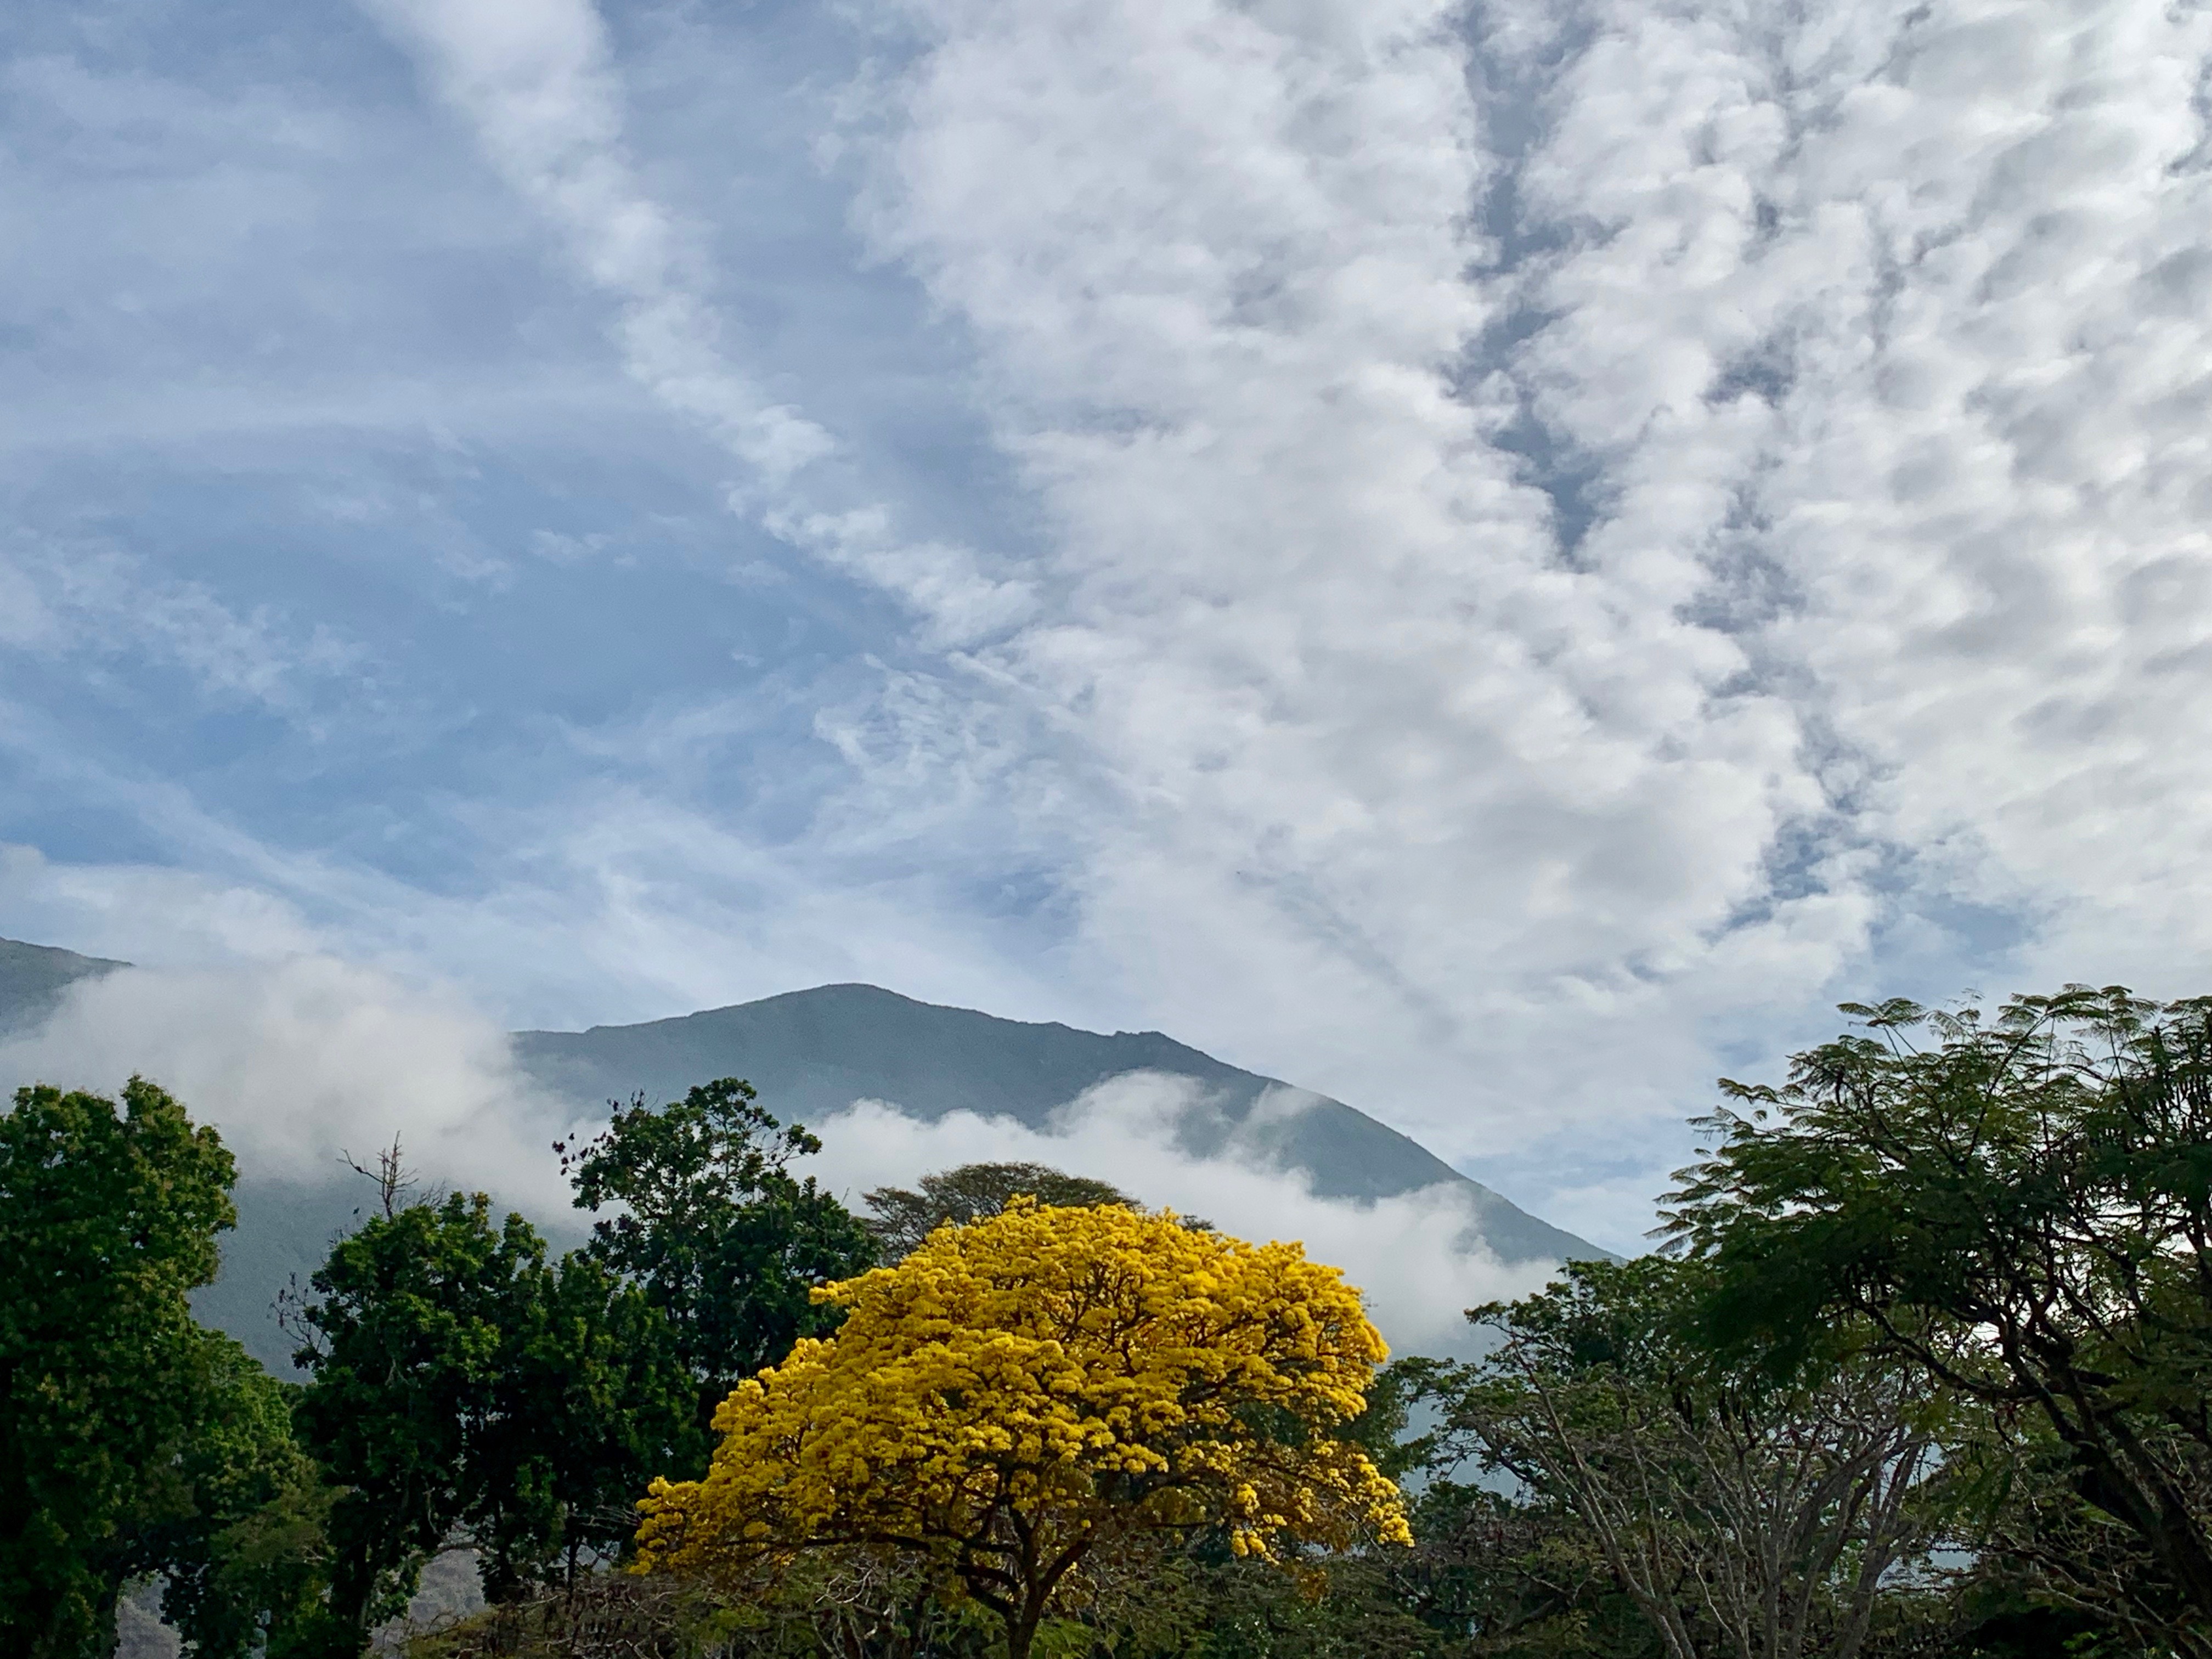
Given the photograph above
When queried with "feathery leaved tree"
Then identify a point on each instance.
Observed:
(1745, 1513)
(2020, 1206)
(901, 1217)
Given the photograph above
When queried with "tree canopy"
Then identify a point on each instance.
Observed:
(901, 1217)
(131, 1440)
(1742, 1512)
(1922, 1372)
(710, 1226)
(240, 1543)
(1019, 1395)
(466, 1387)
(2020, 1205)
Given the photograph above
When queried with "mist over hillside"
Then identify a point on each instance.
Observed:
(34, 976)
(814, 1052)
(302, 1065)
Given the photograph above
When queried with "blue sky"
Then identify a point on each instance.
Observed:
(1494, 560)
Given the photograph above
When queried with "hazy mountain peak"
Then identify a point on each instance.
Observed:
(813, 1052)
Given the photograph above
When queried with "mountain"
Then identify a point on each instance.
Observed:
(34, 976)
(812, 1053)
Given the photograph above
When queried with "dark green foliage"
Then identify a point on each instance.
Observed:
(464, 1385)
(1460, 1594)
(606, 1615)
(1996, 1619)
(592, 1406)
(825, 1610)
(243, 1554)
(408, 1329)
(717, 1234)
(1500, 1574)
(132, 1441)
(902, 1220)
(2022, 1206)
(106, 1220)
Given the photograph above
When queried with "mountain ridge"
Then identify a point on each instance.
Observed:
(815, 1051)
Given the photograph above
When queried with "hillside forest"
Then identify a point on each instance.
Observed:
(1921, 1364)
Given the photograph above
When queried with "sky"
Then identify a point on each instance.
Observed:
(1493, 561)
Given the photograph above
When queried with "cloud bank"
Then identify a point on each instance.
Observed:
(1418, 1258)
(302, 1062)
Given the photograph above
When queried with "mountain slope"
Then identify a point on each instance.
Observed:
(34, 976)
(811, 1053)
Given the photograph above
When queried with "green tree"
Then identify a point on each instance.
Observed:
(902, 1219)
(465, 1389)
(1513, 1573)
(588, 1406)
(724, 1242)
(244, 1552)
(1761, 1514)
(107, 1221)
(2022, 1206)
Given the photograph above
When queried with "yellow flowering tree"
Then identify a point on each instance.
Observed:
(1019, 1395)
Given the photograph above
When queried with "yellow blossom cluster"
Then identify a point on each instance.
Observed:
(1021, 1390)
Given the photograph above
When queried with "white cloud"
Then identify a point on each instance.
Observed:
(1861, 352)
(143, 913)
(1991, 476)
(536, 83)
(1911, 287)
(90, 601)
(1416, 1257)
(300, 1060)
(1399, 798)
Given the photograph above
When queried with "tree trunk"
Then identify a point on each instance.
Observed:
(1022, 1627)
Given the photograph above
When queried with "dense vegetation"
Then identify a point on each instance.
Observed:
(1923, 1369)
